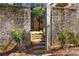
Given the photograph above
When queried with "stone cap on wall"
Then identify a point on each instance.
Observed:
(65, 5)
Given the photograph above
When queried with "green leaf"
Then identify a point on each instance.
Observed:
(38, 11)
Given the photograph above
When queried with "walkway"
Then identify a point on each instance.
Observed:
(38, 42)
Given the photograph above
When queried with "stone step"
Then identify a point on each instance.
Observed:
(38, 47)
(40, 43)
(36, 36)
(43, 41)
(38, 51)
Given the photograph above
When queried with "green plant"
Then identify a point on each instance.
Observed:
(18, 35)
(38, 14)
(38, 11)
(62, 36)
(1, 46)
(75, 40)
(0, 33)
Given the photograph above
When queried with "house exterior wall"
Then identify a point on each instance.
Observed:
(11, 17)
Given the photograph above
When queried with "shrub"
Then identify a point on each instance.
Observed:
(75, 40)
(62, 36)
(18, 35)
(1, 47)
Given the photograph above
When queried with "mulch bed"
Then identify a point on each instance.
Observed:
(69, 51)
(20, 54)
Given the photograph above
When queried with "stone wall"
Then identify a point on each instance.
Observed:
(14, 16)
(68, 18)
